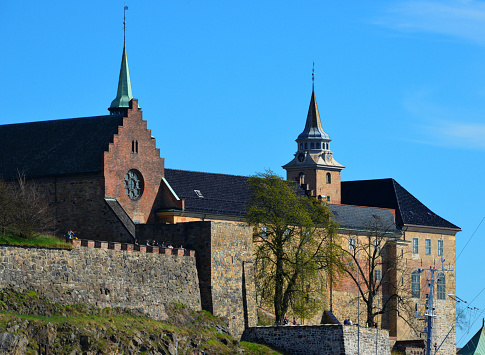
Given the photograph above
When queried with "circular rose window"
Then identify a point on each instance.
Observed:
(133, 184)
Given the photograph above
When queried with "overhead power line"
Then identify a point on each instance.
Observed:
(470, 238)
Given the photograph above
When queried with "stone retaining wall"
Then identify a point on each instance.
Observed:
(104, 277)
(322, 339)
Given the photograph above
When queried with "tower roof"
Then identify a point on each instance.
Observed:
(313, 128)
(476, 345)
(124, 94)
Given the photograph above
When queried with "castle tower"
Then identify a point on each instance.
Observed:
(313, 165)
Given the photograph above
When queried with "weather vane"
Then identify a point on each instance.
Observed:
(124, 23)
(313, 76)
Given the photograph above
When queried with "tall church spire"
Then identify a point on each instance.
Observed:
(124, 94)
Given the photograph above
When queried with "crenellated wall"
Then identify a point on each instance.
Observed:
(103, 277)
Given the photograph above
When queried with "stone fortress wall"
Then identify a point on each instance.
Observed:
(322, 339)
(103, 277)
(224, 254)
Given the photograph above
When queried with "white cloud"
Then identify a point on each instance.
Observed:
(444, 126)
(457, 134)
(464, 19)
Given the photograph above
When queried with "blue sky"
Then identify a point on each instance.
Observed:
(225, 87)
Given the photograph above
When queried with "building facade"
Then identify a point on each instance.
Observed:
(104, 178)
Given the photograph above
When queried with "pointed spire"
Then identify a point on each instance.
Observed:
(313, 126)
(124, 94)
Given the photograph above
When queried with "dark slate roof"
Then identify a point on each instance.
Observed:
(364, 218)
(58, 147)
(228, 195)
(222, 194)
(387, 193)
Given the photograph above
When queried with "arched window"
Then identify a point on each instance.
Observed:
(306, 145)
(329, 178)
(441, 286)
(415, 284)
(302, 178)
(317, 145)
(312, 145)
(301, 145)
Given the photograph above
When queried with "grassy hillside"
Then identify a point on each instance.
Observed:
(9, 236)
(33, 321)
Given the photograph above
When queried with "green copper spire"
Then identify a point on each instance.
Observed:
(124, 95)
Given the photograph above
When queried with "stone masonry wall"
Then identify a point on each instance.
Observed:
(77, 202)
(224, 255)
(322, 339)
(103, 277)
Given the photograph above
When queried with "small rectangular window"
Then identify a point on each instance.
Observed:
(351, 243)
(328, 198)
(377, 275)
(415, 246)
(427, 246)
(377, 244)
(440, 247)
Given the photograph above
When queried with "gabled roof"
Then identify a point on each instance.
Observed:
(387, 193)
(58, 147)
(228, 195)
(476, 345)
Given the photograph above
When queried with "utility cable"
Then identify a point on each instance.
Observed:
(470, 238)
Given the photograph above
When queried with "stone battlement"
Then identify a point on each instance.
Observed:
(131, 247)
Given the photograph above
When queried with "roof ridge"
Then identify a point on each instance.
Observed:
(376, 208)
(58, 120)
(202, 172)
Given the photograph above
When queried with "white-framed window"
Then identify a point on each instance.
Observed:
(441, 286)
(377, 245)
(440, 247)
(264, 231)
(351, 243)
(415, 284)
(427, 246)
(377, 274)
(415, 245)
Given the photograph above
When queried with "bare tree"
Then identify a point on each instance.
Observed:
(375, 264)
(23, 208)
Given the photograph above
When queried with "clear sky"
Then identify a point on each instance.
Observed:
(225, 87)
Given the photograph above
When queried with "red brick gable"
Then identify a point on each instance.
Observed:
(133, 148)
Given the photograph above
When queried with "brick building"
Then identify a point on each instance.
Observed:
(104, 178)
